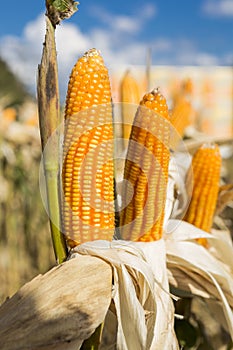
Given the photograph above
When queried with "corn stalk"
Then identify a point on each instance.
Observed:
(49, 118)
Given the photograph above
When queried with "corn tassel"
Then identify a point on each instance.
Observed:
(205, 170)
(129, 94)
(146, 171)
(88, 210)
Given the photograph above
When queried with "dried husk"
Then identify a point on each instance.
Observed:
(143, 304)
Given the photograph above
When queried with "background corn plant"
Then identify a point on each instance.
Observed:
(25, 246)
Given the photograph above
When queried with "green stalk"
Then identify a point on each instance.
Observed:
(94, 341)
(49, 118)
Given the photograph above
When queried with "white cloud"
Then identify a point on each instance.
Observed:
(23, 54)
(119, 23)
(218, 8)
(197, 58)
(185, 52)
(229, 59)
(125, 23)
(181, 52)
(148, 11)
(118, 45)
(162, 45)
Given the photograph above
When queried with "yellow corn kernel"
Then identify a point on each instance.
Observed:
(205, 170)
(87, 175)
(146, 171)
(129, 94)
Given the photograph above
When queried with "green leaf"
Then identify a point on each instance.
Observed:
(58, 10)
(93, 342)
(49, 118)
(186, 333)
(64, 5)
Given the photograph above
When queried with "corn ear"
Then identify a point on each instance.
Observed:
(88, 191)
(146, 171)
(181, 118)
(205, 171)
(129, 94)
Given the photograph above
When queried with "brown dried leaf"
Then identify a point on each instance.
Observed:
(225, 196)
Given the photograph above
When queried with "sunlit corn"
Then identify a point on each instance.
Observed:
(181, 118)
(205, 174)
(88, 191)
(129, 94)
(187, 87)
(146, 171)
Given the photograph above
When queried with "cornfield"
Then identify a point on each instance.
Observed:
(161, 219)
(25, 245)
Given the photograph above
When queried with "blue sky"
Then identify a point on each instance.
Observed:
(181, 32)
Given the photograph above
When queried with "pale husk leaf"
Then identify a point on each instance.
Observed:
(144, 307)
(205, 274)
(177, 198)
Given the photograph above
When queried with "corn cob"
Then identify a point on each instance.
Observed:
(129, 94)
(180, 118)
(187, 87)
(88, 192)
(205, 170)
(146, 171)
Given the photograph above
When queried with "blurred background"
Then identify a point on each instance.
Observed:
(162, 43)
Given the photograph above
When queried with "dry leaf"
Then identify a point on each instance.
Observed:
(144, 308)
(225, 196)
(207, 270)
